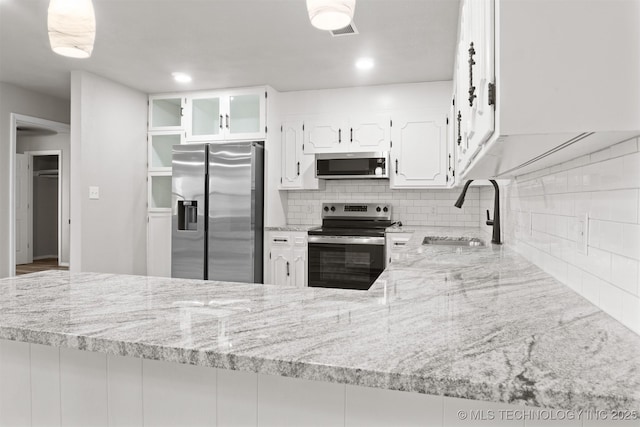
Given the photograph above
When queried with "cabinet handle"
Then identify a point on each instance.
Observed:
(399, 243)
(298, 168)
(472, 88)
(220, 121)
(280, 240)
(181, 111)
(449, 162)
(459, 118)
(339, 136)
(287, 268)
(351, 135)
(396, 166)
(228, 120)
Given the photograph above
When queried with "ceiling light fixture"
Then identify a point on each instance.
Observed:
(330, 14)
(364, 64)
(72, 27)
(181, 77)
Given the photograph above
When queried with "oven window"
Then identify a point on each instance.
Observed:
(344, 266)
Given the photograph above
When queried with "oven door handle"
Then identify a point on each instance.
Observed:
(347, 240)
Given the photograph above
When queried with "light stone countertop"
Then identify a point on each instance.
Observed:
(478, 323)
(291, 228)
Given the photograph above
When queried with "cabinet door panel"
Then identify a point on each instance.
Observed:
(291, 155)
(165, 113)
(206, 118)
(159, 244)
(245, 114)
(369, 133)
(419, 151)
(280, 267)
(481, 34)
(325, 135)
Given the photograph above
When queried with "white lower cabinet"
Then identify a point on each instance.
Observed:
(419, 150)
(287, 258)
(159, 244)
(395, 242)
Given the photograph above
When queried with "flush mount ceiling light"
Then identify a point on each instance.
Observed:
(181, 77)
(72, 27)
(364, 64)
(330, 14)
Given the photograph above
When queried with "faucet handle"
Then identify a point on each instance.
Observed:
(489, 220)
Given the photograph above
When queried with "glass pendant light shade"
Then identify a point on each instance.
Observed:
(72, 27)
(330, 14)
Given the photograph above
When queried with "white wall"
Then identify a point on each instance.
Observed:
(17, 100)
(59, 141)
(540, 217)
(108, 150)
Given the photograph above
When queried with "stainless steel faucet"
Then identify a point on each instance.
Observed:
(495, 223)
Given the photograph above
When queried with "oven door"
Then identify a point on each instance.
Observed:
(345, 262)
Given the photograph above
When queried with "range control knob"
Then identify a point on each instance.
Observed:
(333, 208)
(385, 209)
(326, 208)
(378, 209)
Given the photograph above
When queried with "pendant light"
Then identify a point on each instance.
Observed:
(72, 27)
(330, 14)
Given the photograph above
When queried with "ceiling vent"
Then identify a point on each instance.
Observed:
(346, 31)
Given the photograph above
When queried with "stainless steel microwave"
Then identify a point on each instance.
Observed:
(352, 165)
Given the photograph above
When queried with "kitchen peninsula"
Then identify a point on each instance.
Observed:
(442, 330)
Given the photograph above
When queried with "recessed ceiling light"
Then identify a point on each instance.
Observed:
(364, 64)
(181, 77)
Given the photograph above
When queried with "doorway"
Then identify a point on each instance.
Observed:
(38, 210)
(39, 202)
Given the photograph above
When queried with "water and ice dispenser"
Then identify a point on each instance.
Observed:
(187, 215)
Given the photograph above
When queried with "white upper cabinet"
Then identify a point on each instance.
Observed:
(166, 112)
(325, 134)
(297, 171)
(369, 132)
(206, 121)
(529, 98)
(356, 133)
(160, 146)
(419, 150)
(228, 115)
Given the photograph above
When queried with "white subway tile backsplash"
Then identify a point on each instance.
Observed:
(550, 203)
(412, 207)
(624, 273)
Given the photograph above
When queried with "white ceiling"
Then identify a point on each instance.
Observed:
(233, 43)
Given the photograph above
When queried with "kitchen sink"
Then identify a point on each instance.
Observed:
(453, 241)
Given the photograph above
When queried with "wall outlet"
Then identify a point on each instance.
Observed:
(582, 233)
(94, 193)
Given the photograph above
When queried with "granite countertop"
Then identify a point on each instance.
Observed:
(291, 228)
(479, 323)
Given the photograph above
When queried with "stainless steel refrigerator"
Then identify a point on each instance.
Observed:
(217, 205)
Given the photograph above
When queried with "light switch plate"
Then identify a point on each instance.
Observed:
(582, 233)
(94, 193)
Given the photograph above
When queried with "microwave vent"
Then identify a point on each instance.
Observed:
(346, 31)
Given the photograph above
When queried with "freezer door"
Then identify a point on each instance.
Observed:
(188, 242)
(235, 212)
